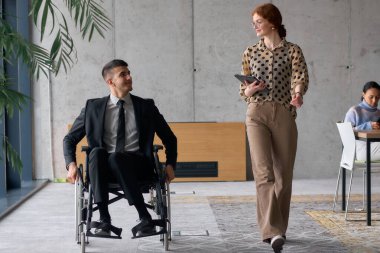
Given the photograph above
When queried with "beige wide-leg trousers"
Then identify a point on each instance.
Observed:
(272, 135)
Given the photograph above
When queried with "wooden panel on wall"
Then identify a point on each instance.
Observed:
(204, 142)
(81, 156)
(224, 143)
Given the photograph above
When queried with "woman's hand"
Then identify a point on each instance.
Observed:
(297, 100)
(252, 88)
(375, 125)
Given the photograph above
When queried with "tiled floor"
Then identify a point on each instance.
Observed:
(206, 217)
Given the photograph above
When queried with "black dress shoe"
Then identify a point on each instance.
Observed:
(144, 228)
(104, 228)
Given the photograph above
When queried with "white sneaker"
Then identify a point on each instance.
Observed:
(277, 242)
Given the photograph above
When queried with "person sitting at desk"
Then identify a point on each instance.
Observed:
(120, 129)
(366, 116)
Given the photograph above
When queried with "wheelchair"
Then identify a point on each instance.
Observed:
(158, 201)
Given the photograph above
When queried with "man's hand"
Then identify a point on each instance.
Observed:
(169, 173)
(72, 173)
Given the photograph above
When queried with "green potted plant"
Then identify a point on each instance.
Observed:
(89, 17)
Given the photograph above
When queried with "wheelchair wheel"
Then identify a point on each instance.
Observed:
(163, 211)
(167, 204)
(83, 242)
(79, 202)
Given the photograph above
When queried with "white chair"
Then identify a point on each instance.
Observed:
(349, 161)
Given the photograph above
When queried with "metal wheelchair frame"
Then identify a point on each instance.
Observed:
(159, 202)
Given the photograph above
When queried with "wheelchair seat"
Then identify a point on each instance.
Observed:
(113, 186)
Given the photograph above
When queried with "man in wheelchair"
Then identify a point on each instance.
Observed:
(120, 129)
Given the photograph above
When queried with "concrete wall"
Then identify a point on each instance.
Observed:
(183, 53)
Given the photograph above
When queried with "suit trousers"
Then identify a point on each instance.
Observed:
(127, 169)
(272, 136)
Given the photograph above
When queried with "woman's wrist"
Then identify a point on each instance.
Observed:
(299, 93)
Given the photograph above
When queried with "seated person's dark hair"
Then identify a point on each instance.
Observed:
(370, 85)
(113, 64)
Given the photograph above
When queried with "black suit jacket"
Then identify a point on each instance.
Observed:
(90, 123)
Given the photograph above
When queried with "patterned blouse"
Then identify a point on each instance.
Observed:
(282, 69)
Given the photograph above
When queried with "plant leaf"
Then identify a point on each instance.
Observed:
(36, 5)
(44, 18)
(12, 156)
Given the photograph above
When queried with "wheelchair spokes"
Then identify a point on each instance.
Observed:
(80, 213)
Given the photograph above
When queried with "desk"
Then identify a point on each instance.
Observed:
(367, 136)
(222, 142)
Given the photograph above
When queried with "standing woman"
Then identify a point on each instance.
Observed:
(270, 119)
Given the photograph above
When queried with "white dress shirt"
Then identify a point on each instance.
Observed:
(110, 125)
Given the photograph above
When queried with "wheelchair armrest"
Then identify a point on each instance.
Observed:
(157, 147)
(80, 174)
(86, 149)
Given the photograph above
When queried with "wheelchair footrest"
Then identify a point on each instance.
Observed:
(162, 231)
(99, 225)
(90, 234)
(157, 223)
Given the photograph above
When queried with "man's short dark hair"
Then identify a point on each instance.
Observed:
(113, 64)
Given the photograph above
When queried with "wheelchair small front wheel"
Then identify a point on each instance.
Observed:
(166, 242)
(83, 242)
